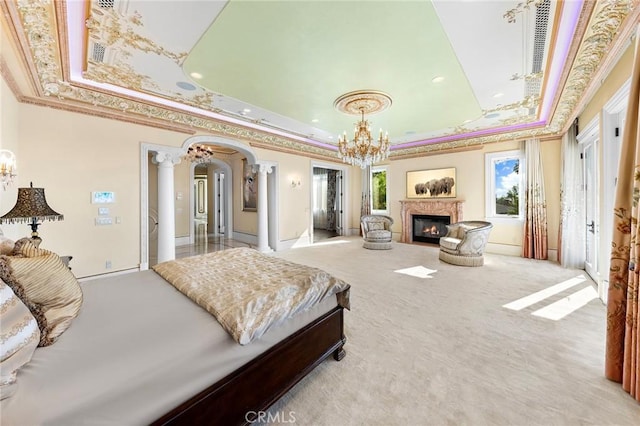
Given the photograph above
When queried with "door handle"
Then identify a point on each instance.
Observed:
(591, 227)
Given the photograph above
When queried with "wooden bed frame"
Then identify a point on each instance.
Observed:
(254, 387)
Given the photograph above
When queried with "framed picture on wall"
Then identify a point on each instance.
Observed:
(436, 183)
(249, 188)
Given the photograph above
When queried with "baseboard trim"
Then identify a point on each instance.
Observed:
(245, 238)
(505, 249)
(183, 241)
(108, 274)
(301, 241)
(510, 250)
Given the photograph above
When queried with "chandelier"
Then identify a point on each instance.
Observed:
(362, 150)
(199, 154)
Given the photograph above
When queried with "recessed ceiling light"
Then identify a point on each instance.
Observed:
(185, 85)
(437, 79)
(498, 95)
(246, 110)
(196, 75)
(467, 121)
(315, 120)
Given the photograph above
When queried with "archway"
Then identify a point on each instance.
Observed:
(148, 149)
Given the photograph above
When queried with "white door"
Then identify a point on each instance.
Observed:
(589, 160)
(219, 203)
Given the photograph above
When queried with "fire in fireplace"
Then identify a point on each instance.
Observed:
(429, 228)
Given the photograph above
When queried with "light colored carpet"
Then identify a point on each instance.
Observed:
(443, 350)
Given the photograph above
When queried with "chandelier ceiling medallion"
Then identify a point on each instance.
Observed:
(362, 150)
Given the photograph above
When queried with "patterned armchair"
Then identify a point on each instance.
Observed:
(376, 231)
(465, 242)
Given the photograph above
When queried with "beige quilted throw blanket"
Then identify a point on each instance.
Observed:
(249, 292)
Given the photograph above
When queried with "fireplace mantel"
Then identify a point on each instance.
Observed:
(451, 208)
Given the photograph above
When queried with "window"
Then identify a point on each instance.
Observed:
(379, 190)
(504, 184)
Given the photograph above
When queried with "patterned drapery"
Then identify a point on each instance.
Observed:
(365, 206)
(534, 242)
(622, 358)
(331, 199)
(571, 238)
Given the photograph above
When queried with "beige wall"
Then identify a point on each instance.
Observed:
(181, 190)
(506, 236)
(71, 155)
(609, 86)
(9, 138)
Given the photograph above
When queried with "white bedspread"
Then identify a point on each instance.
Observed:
(137, 349)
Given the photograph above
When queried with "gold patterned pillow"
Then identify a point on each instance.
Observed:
(46, 286)
(19, 334)
(6, 245)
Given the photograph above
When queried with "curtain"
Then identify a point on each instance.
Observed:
(571, 241)
(534, 243)
(365, 206)
(320, 182)
(331, 199)
(622, 357)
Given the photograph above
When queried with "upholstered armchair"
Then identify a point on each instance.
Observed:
(465, 242)
(376, 231)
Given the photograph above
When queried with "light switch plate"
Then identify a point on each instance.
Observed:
(104, 221)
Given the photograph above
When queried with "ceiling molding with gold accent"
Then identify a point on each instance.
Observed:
(38, 25)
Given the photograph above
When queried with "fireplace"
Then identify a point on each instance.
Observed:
(452, 209)
(429, 228)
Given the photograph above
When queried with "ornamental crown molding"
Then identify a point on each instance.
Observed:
(36, 22)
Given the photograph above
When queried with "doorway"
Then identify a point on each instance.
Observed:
(327, 201)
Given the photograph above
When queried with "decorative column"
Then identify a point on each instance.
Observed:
(166, 205)
(263, 217)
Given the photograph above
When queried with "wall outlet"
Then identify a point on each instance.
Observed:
(107, 264)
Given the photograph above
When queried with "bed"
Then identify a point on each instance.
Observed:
(140, 352)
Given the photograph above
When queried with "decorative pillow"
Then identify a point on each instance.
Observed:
(375, 226)
(45, 285)
(462, 230)
(453, 230)
(19, 337)
(6, 245)
(24, 247)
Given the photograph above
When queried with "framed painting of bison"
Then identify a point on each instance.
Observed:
(436, 183)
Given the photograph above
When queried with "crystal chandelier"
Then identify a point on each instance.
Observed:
(363, 150)
(199, 154)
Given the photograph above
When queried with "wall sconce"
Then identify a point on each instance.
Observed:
(295, 183)
(8, 168)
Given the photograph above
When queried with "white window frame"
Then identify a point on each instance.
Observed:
(490, 188)
(375, 169)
